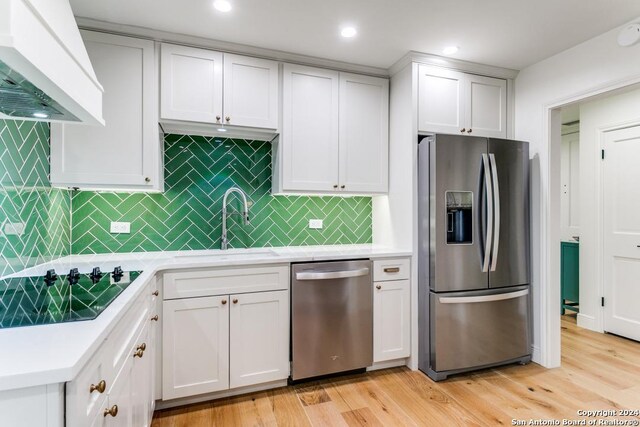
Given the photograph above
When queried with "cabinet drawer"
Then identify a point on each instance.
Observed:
(189, 284)
(391, 269)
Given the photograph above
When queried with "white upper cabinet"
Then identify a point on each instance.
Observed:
(126, 152)
(335, 134)
(190, 84)
(310, 129)
(459, 103)
(250, 92)
(364, 133)
(204, 86)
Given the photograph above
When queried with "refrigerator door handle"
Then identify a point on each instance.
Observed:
(496, 210)
(489, 202)
(483, 298)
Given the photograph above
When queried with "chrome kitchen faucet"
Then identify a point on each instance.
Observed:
(245, 213)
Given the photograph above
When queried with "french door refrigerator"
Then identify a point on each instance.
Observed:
(474, 271)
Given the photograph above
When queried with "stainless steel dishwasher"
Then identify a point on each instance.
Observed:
(332, 318)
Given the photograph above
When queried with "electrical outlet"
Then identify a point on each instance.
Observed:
(120, 227)
(13, 228)
(315, 223)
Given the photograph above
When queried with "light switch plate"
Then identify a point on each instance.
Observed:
(13, 229)
(120, 227)
(315, 223)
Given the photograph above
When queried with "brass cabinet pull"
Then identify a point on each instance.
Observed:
(100, 387)
(342, 186)
(156, 293)
(378, 287)
(147, 179)
(139, 353)
(392, 270)
(335, 186)
(228, 119)
(462, 130)
(217, 118)
(113, 411)
(235, 300)
(469, 131)
(154, 318)
(142, 346)
(224, 301)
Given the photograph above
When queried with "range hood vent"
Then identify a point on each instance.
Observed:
(45, 72)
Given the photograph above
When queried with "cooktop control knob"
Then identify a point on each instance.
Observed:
(74, 276)
(96, 275)
(117, 274)
(50, 277)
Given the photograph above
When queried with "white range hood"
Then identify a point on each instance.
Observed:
(45, 72)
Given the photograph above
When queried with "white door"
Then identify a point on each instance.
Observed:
(195, 346)
(364, 133)
(190, 84)
(142, 379)
(310, 129)
(622, 232)
(259, 338)
(126, 152)
(486, 106)
(250, 92)
(120, 400)
(391, 320)
(441, 100)
(570, 181)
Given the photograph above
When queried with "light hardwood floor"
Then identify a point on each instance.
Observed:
(598, 372)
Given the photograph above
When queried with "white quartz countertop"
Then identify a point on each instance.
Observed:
(48, 354)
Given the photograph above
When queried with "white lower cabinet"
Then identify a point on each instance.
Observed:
(391, 310)
(220, 342)
(259, 338)
(195, 346)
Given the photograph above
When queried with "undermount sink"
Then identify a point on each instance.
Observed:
(226, 254)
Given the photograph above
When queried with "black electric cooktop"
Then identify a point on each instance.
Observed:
(42, 300)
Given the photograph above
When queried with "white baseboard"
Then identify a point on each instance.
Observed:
(387, 364)
(164, 404)
(536, 356)
(587, 322)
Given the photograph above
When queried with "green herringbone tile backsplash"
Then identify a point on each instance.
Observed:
(26, 197)
(198, 171)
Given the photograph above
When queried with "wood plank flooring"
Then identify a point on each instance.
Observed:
(598, 372)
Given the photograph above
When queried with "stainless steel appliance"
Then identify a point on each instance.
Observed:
(332, 318)
(474, 292)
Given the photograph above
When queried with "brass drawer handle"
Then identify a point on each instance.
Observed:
(156, 293)
(224, 301)
(378, 287)
(155, 318)
(391, 270)
(113, 411)
(235, 301)
(100, 387)
(142, 346)
(139, 353)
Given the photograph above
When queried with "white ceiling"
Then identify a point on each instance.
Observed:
(506, 33)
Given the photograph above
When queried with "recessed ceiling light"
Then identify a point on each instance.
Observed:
(222, 5)
(450, 50)
(40, 115)
(348, 32)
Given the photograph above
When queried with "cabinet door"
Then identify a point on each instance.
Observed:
(441, 100)
(190, 84)
(142, 380)
(250, 92)
(126, 152)
(487, 106)
(259, 338)
(391, 320)
(120, 398)
(310, 129)
(364, 133)
(195, 346)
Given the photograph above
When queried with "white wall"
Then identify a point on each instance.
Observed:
(597, 65)
(597, 116)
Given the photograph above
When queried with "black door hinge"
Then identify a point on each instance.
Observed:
(602, 152)
(602, 301)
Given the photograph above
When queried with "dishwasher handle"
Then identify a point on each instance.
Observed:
(328, 275)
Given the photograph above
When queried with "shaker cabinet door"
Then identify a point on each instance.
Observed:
(441, 100)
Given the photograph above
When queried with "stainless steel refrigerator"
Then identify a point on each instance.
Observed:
(474, 273)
